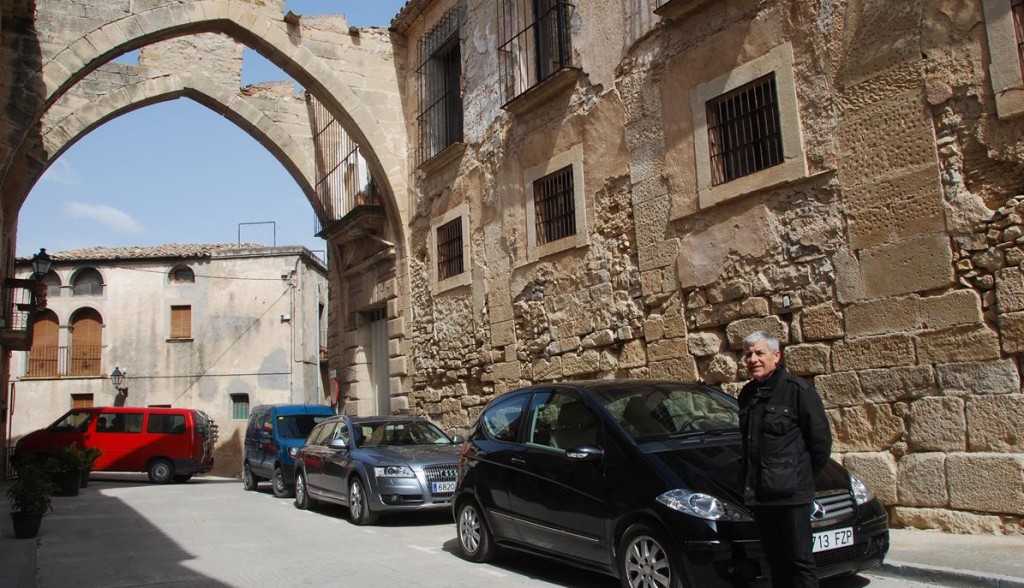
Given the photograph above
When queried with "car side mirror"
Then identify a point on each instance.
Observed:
(584, 453)
(337, 444)
(458, 439)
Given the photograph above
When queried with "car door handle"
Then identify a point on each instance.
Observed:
(518, 461)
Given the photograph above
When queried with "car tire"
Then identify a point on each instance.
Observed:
(302, 499)
(278, 485)
(160, 471)
(475, 540)
(359, 504)
(645, 561)
(249, 480)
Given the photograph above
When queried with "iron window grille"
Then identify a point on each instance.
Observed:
(440, 71)
(1017, 8)
(744, 130)
(239, 407)
(449, 249)
(536, 42)
(554, 206)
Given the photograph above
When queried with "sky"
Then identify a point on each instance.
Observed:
(123, 183)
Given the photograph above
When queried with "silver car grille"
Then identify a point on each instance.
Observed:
(827, 510)
(447, 472)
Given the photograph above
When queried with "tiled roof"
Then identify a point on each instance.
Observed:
(153, 251)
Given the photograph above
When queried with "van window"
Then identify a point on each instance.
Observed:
(77, 420)
(173, 424)
(120, 422)
(298, 426)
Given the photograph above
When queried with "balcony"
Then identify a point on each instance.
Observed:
(537, 45)
(50, 362)
(21, 299)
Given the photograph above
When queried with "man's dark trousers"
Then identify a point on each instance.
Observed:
(786, 536)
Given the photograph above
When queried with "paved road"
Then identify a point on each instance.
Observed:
(122, 531)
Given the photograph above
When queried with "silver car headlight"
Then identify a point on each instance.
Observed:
(293, 451)
(861, 491)
(703, 506)
(394, 472)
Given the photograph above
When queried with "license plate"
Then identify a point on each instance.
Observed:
(834, 539)
(439, 487)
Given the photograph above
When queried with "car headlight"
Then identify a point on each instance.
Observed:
(861, 492)
(703, 506)
(293, 451)
(394, 472)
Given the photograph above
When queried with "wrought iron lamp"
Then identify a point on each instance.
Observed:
(117, 379)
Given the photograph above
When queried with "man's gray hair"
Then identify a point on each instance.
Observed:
(753, 338)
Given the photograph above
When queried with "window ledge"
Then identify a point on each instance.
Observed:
(462, 280)
(543, 92)
(443, 158)
(180, 340)
(676, 10)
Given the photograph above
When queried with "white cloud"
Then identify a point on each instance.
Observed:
(61, 172)
(107, 216)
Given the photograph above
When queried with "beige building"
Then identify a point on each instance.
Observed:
(624, 189)
(213, 327)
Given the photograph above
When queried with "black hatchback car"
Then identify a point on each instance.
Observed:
(640, 480)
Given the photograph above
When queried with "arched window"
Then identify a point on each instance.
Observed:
(182, 274)
(86, 343)
(42, 358)
(52, 281)
(88, 282)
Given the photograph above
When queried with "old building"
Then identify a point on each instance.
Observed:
(213, 327)
(625, 189)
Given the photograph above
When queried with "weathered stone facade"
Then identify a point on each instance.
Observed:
(884, 247)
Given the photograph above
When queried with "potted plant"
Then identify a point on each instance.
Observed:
(89, 456)
(65, 465)
(29, 496)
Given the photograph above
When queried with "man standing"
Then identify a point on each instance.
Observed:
(786, 442)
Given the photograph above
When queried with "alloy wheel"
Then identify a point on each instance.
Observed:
(469, 530)
(647, 564)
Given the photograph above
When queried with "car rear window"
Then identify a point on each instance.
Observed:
(298, 426)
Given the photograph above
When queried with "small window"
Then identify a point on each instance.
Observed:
(502, 419)
(167, 424)
(52, 281)
(81, 401)
(744, 132)
(182, 274)
(181, 322)
(88, 282)
(440, 116)
(535, 43)
(449, 249)
(240, 408)
(554, 206)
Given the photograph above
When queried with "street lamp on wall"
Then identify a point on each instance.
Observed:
(41, 263)
(117, 379)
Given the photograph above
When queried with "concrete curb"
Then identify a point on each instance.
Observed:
(946, 576)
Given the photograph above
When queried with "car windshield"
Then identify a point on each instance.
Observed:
(298, 426)
(381, 433)
(669, 409)
(77, 421)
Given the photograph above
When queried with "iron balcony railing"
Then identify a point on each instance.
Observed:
(49, 361)
(537, 43)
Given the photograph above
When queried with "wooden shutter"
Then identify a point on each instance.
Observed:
(181, 322)
(86, 343)
(42, 358)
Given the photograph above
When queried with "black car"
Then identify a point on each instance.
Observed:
(639, 480)
(377, 464)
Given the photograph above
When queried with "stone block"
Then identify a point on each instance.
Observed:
(675, 326)
(703, 254)
(849, 283)
(1002, 490)
(654, 328)
(633, 355)
(878, 470)
(822, 322)
(947, 521)
(871, 427)
(683, 369)
(872, 352)
(1011, 329)
(589, 362)
(722, 368)
(737, 330)
(839, 389)
(667, 349)
(996, 423)
(547, 369)
(1010, 289)
(756, 306)
(888, 315)
(937, 424)
(912, 265)
(510, 371)
(959, 307)
(503, 333)
(704, 344)
(972, 343)
(921, 480)
(807, 359)
(898, 383)
(978, 377)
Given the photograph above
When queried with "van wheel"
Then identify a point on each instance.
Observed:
(644, 560)
(358, 504)
(182, 478)
(161, 471)
(475, 540)
(249, 480)
(302, 499)
(277, 484)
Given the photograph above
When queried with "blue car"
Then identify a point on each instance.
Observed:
(272, 438)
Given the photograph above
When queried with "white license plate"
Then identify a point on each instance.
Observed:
(833, 539)
(438, 487)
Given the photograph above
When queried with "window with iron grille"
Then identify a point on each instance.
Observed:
(554, 206)
(440, 116)
(449, 249)
(535, 42)
(1018, 27)
(239, 407)
(744, 131)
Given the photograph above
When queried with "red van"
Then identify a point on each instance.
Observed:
(169, 444)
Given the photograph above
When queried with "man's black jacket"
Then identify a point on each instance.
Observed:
(786, 439)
